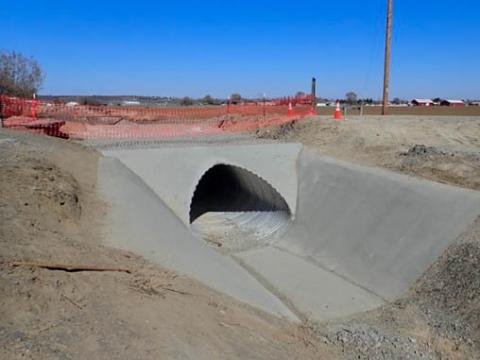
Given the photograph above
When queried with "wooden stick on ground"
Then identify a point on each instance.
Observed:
(69, 268)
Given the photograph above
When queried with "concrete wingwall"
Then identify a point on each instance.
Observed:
(359, 236)
(377, 229)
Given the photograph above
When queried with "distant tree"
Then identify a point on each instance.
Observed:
(351, 97)
(236, 97)
(397, 101)
(437, 100)
(19, 76)
(186, 101)
(366, 101)
(89, 101)
(208, 100)
(300, 94)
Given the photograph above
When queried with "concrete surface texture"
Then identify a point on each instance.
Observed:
(353, 238)
(139, 221)
(174, 172)
(378, 229)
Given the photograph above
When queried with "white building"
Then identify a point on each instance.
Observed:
(422, 102)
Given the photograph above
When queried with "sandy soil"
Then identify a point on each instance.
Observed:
(447, 151)
(49, 213)
(405, 110)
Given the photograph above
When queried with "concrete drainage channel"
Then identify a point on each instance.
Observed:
(280, 227)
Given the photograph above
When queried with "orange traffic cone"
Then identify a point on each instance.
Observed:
(290, 110)
(338, 112)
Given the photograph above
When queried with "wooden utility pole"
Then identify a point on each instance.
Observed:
(388, 38)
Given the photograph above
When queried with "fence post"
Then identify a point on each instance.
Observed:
(264, 108)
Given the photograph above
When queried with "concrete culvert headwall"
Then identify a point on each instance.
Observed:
(285, 230)
(235, 209)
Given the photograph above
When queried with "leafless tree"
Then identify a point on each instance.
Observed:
(19, 75)
(186, 101)
(351, 98)
(208, 100)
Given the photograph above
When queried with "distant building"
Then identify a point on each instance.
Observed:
(453, 103)
(131, 103)
(71, 103)
(422, 102)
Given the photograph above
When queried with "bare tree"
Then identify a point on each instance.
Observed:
(351, 97)
(397, 101)
(19, 76)
(186, 101)
(208, 100)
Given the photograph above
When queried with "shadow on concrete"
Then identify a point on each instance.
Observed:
(228, 188)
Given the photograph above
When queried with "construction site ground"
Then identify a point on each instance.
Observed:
(50, 216)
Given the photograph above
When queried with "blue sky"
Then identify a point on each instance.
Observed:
(193, 48)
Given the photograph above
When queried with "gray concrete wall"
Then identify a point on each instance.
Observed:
(139, 221)
(174, 172)
(377, 229)
(360, 237)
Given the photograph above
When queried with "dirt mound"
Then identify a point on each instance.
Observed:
(450, 291)
(50, 191)
(439, 149)
(422, 150)
(17, 121)
(283, 131)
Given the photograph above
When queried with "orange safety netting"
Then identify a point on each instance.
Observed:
(135, 122)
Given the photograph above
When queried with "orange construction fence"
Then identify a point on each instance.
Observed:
(120, 122)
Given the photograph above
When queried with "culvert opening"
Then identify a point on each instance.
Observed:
(233, 209)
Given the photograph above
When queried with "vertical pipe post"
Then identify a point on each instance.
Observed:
(314, 91)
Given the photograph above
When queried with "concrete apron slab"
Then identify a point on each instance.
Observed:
(355, 238)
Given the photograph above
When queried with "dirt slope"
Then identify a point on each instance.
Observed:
(49, 213)
(443, 149)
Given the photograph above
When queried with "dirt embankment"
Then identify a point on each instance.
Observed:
(49, 213)
(441, 149)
